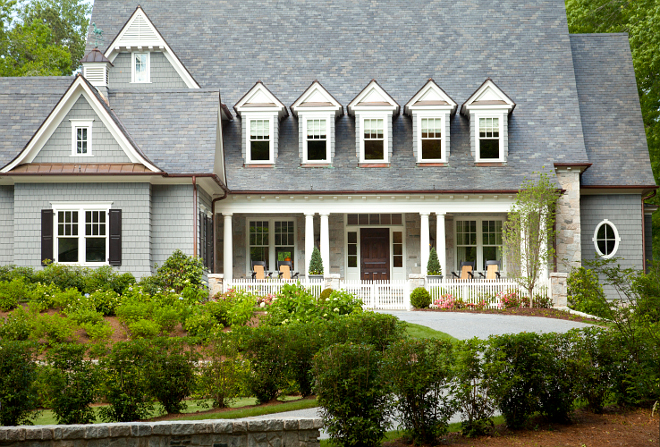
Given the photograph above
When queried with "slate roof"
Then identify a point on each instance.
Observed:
(523, 46)
(611, 115)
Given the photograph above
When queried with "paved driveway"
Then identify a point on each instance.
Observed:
(467, 325)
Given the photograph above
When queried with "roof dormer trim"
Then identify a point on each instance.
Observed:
(488, 97)
(364, 101)
(323, 101)
(259, 100)
(154, 40)
(430, 97)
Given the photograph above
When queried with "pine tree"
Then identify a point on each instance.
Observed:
(433, 266)
(316, 263)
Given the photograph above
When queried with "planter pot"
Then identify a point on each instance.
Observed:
(317, 277)
(436, 277)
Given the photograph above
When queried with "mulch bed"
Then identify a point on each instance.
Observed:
(615, 427)
(525, 312)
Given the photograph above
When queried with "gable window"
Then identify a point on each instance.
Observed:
(260, 140)
(489, 139)
(431, 139)
(81, 234)
(141, 68)
(373, 139)
(81, 137)
(606, 239)
(316, 140)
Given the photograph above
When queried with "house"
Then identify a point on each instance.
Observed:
(254, 131)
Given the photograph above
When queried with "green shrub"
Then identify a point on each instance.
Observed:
(133, 310)
(84, 315)
(315, 263)
(98, 331)
(647, 287)
(222, 376)
(167, 318)
(11, 272)
(17, 326)
(301, 341)
(353, 394)
(105, 301)
(72, 383)
(340, 302)
(241, 309)
(43, 296)
(143, 329)
(375, 329)
(325, 294)
(171, 373)
(471, 391)
(597, 352)
(585, 294)
(421, 372)
(70, 297)
(202, 324)
(63, 276)
(433, 265)
(18, 373)
(560, 389)
(13, 292)
(420, 298)
(125, 386)
(180, 271)
(106, 278)
(53, 328)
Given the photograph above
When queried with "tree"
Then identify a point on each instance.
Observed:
(433, 266)
(641, 20)
(529, 231)
(316, 263)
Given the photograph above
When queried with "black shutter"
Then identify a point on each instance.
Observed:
(200, 237)
(114, 256)
(208, 227)
(211, 244)
(47, 235)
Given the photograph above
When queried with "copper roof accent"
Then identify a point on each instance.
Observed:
(431, 103)
(79, 168)
(489, 103)
(95, 56)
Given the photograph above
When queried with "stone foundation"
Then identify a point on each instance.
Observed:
(559, 289)
(207, 433)
(568, 222)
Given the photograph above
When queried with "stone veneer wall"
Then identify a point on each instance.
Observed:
(568, 221)
(209, 433)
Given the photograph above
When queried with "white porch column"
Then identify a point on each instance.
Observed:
(309, 240)
(440, 241)
(424, 234)
(325, 243)
(227, 258)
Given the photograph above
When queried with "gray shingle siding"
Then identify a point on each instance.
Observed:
(172, 220)
(648, 236)
(6, 225)
(104, 147)
(162, 75)
(132, 198)
(624, 211)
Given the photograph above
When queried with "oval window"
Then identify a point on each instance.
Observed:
(606, 239)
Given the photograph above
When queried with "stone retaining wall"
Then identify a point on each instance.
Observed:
(207, 433)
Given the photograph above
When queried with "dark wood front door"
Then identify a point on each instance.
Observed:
(375, 254)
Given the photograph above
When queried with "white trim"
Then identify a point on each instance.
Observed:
(488, 85)
(418, 116)
(316, 87)
(373, 87)
(479, 262)
(81, 124)
(490, 114)
(272, 261)
(133, 73)
(41, 137)
(81, 208)
(304, 117)
(160, 44)
(617, 239)
(247, 120)
(430, 85)
(386, 134)
(259, 90)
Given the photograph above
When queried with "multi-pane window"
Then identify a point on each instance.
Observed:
(259, 140)
(491, 231)
(82, 236)
(489, 138)
(374, 139)
(285, 241)
(281, 246)
(82, 140)
(374, 219)
(317, 140)
(397, 249)
(259, 242)
(606, 239)
(478, 241)
(431, 138)
(140, 67)
(352, 249)
(466, 241)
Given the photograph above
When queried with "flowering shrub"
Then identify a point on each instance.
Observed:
(446, 301)
(508, 300)
(266, 300)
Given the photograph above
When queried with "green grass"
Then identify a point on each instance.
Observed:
(419, 331)
(256, 411)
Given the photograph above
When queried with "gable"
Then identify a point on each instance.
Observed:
(162, 73)
(317, 98)
(373, 97)
(104, 147)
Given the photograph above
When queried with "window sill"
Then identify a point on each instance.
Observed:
(424, 164)
(315, 165)
(373, 165)
(259, 165)
(489, 163)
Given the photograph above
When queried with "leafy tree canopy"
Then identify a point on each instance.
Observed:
(42, 37)
(641, 20)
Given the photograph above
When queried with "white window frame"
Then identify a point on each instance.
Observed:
(272, 260)
(328, 136)
(617, 239)
(81, 124)
(443, 137)
(133, 73)
(81, 208)
(500, 117)
(480, 239)
(386, 136)
(271, 142)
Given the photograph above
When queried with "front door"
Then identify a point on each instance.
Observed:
(375, 253)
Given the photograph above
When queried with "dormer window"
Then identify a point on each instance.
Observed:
(141, 69)
(81, 136)
(260, 112)
(317, 110)
(431, 110)
(488, 110)
(374, 109)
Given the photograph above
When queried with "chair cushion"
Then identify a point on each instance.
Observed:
(286, 271)
(465, 270)
(491, 271)
(259, 270)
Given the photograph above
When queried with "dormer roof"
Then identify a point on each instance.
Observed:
(373, 98)
(488, 97)
(139, 33)
(317, 98)
(430, 97)
(260, 99)
(95, 56)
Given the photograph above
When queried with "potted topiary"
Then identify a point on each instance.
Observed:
(433, 269)
(315, 265)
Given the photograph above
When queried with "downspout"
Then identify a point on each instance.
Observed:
(650, 196)
(215, 239)
(194, 183)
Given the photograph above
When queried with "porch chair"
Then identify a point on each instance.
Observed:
(492, 270)
(284, 270)
(467, 271)
(259, 270)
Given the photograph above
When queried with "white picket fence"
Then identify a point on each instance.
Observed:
(476, 291)
(392, 295)
(272, 286)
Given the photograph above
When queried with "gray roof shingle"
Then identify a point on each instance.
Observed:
(611, 115)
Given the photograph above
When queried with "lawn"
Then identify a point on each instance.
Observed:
(419, 331)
